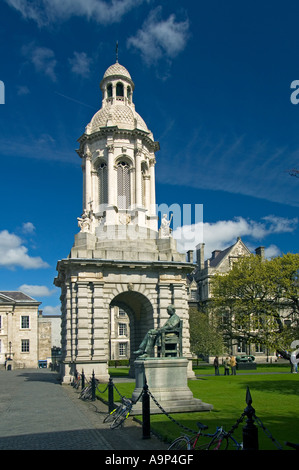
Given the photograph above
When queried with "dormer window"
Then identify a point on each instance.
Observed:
(119, 89)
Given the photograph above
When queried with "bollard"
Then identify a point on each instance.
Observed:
(146, 424)
(82, 380)
(250, 431)
(93, 387)
(110, 396)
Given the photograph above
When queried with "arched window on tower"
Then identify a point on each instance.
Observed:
(123, 185)
(129, 93)
(119, 89)
(103, 183)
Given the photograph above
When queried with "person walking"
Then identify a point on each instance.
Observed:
(233, 365)
(216, 365)
(226, 366)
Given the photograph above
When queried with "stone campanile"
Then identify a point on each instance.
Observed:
(118, 161)
(119, 257)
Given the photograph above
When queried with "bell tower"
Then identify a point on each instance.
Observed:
(119, 258)
(118, 162)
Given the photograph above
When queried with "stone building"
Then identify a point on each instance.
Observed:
(222, 261)
(119, 334)
(119, 257)
(26, 336)
(18, 330)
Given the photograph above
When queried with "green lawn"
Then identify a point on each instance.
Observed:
(275, 399)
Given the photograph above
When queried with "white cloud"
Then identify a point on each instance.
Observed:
(46, 12)
(14, 254)
(48, 310)
(80, 64)
(28, 227)
(42, 58)
(160, 38)
(37, 291)
(222, 234)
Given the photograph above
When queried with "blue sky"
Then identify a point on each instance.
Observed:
(212, 82)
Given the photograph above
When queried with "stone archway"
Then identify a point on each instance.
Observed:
(141, 315)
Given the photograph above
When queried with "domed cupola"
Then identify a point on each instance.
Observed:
(117, 108)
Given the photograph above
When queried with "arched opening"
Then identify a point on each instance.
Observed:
(103, 183)
(119, 89)
(139, 319)
(109, 90)
(123, 185)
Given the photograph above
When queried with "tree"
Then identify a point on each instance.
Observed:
(257, 301)
(205, 338)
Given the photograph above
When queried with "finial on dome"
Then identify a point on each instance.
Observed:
(116, 50)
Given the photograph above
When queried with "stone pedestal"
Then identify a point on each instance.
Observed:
(167, 382)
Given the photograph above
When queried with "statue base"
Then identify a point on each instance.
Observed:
(167, 383)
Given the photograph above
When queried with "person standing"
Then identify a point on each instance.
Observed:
(216, 365)
(226, 366)
(233, 365)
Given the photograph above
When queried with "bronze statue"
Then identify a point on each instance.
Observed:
(147, 345)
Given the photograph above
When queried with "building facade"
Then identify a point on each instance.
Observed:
(18, 330)
(221, 262)
(120, 258)
(26, 336)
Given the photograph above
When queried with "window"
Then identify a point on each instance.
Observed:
(119, 89)
(109, 90)
(121, 313)
(25, 345)
(24, 321)
(103, 183)
(122, 349)
(122, 329)
(123, 185)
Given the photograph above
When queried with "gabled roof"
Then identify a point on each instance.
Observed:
(15, 297)
(222, 255)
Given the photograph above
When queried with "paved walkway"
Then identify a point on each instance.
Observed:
(37, 413)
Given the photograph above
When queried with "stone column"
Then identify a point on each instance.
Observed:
(83, 339)
(138, 178)
(88, 185)
(111, 182)
(152, 163)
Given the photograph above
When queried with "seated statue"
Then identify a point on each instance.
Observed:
(147, 345)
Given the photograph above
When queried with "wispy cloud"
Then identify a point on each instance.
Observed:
(80, 64)
(160, 38)
(37, 291)
(13, 253)
(47, 12)
(42, 58)
(233, 164)
(221, 234)
(49, 310)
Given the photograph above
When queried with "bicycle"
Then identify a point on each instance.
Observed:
(86, 393)
(119, 414)
(219, 440)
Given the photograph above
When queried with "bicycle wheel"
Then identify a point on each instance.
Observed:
(181, 443)
(218, 443)
(112, 415)
(119, 419)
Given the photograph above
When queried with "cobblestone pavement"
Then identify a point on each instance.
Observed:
(38, 413)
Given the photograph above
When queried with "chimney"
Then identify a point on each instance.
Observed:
(190, 256)
(200, 255)
(260, 251)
